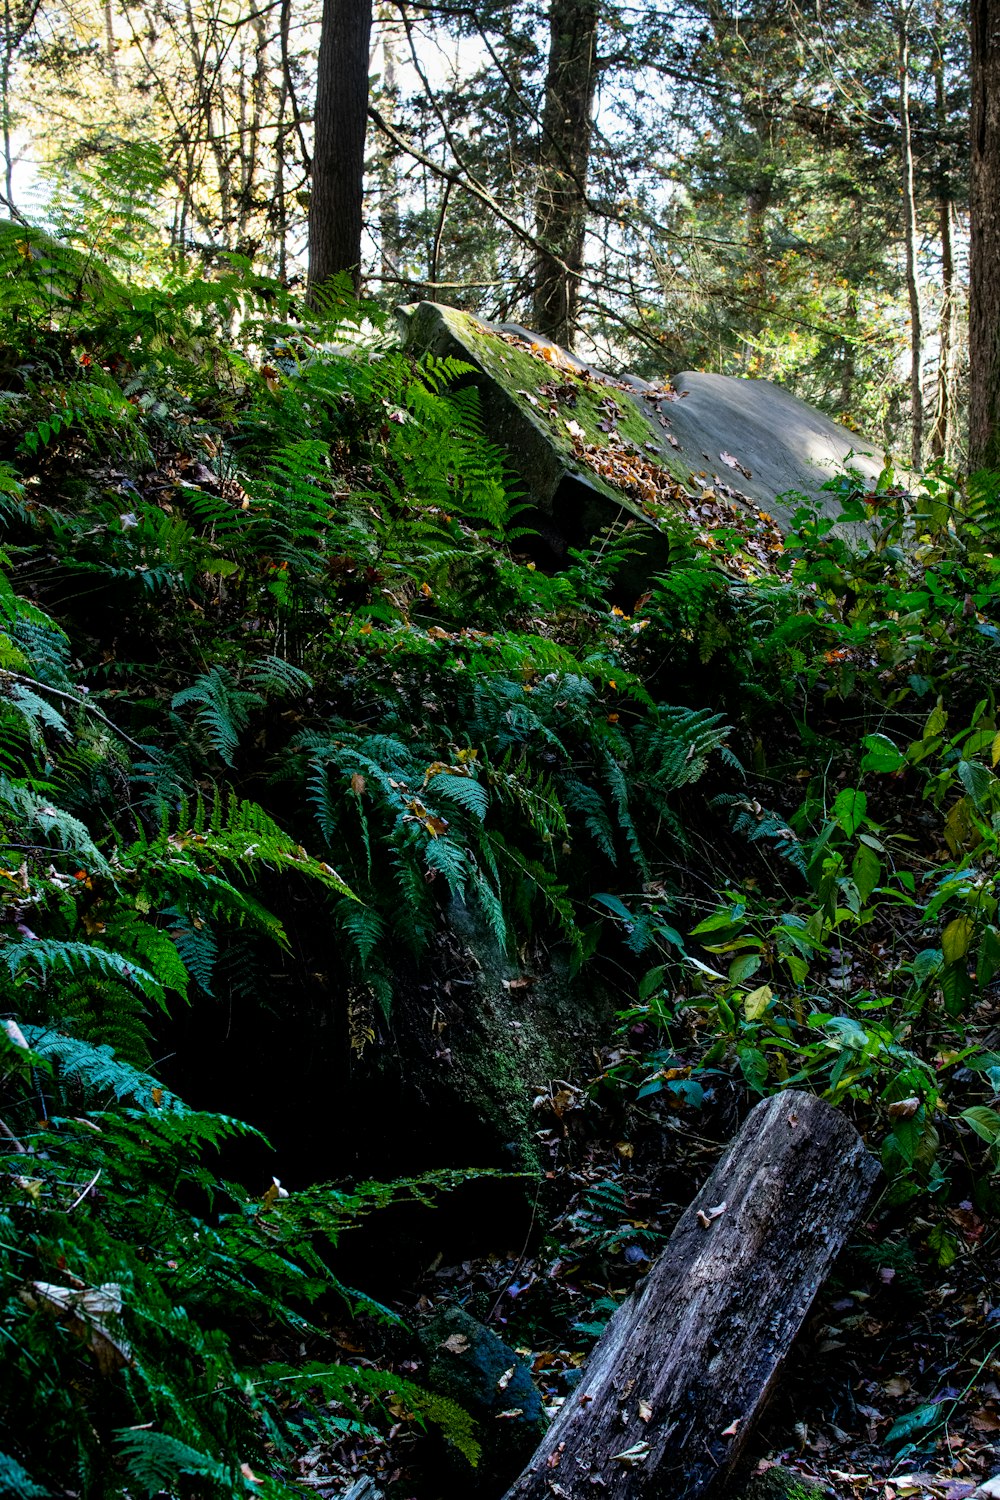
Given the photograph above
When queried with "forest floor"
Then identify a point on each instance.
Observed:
(891, 1392)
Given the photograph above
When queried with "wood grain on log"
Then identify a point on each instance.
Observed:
(674, 1385)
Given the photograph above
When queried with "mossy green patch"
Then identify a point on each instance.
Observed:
(515, 1039)
(777, 1484)
(523, 374)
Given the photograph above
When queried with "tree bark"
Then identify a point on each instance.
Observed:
(673, 1388)
(910, 236)
(941, 432)
(561, 203)
(336, 210)
(984, 251)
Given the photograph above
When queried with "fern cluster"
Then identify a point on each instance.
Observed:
(267, 640)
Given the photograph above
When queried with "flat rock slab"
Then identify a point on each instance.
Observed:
(789, 447)
(593, 450)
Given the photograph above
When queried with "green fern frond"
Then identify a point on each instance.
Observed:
(155, 1461)
(52, 823)
(48, 954)
(100, 1073)
(17, 1483)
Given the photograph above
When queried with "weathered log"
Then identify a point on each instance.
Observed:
(363, 1489)
(674, 1385)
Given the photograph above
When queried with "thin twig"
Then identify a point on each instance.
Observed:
(79, 1199)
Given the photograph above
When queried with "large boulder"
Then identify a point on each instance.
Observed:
(592, 449)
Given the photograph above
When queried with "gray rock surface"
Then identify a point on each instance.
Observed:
(788, 446)
(468, 1363)
(750, 443)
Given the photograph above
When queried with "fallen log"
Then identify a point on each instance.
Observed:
(676, 1381)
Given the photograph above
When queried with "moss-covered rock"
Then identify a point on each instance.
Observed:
(542, 433)
(469, 1364)
(655, 450)
(500, 1036)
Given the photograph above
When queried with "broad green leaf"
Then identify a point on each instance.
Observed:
(988, 957)
(741, 968)
(881, 755)
(714, 923)
(957, 938)
(753, 1065)
(978, 782)
(755, 1004)
(866, 871)
(937, 721)
(798, 967)
(651, 981)
(944, 1246)
(984, 1121)
(912, 1423)
(850, 809)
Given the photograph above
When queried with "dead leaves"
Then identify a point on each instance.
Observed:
(92, 1312)
(455, 1343)
(734, 463)
(706, 1216)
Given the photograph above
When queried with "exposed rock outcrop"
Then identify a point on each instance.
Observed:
(592, 449)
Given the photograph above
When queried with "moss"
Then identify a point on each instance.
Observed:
(470, 1365)
(777, 1484)
(518, 371)
(514, 1041)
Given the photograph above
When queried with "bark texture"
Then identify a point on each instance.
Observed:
(561, 205)
(674, 1386)
(336, 210)
(904, 23)
(984, 254)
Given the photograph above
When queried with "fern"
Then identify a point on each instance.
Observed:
(156, 1461)
(674, 746)
(16, 1482)
(50, 822)
(758, 824)
(223, 709)
(99, 1072)
(50, 954)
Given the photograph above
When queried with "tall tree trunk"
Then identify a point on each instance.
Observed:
(6, 68)
(849, 338)
(567, 127)
(109, 44)
(390, 237)
(910, 237)
(336, 210)
(984, 255)
(941, 433)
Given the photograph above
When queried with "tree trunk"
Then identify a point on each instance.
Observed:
(673, 1388)
(390, 235)
(561, 205)
(910, 235)
(338, 167)
(984, 253)
(941, 432)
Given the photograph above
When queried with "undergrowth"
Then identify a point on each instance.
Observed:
(269, 621)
